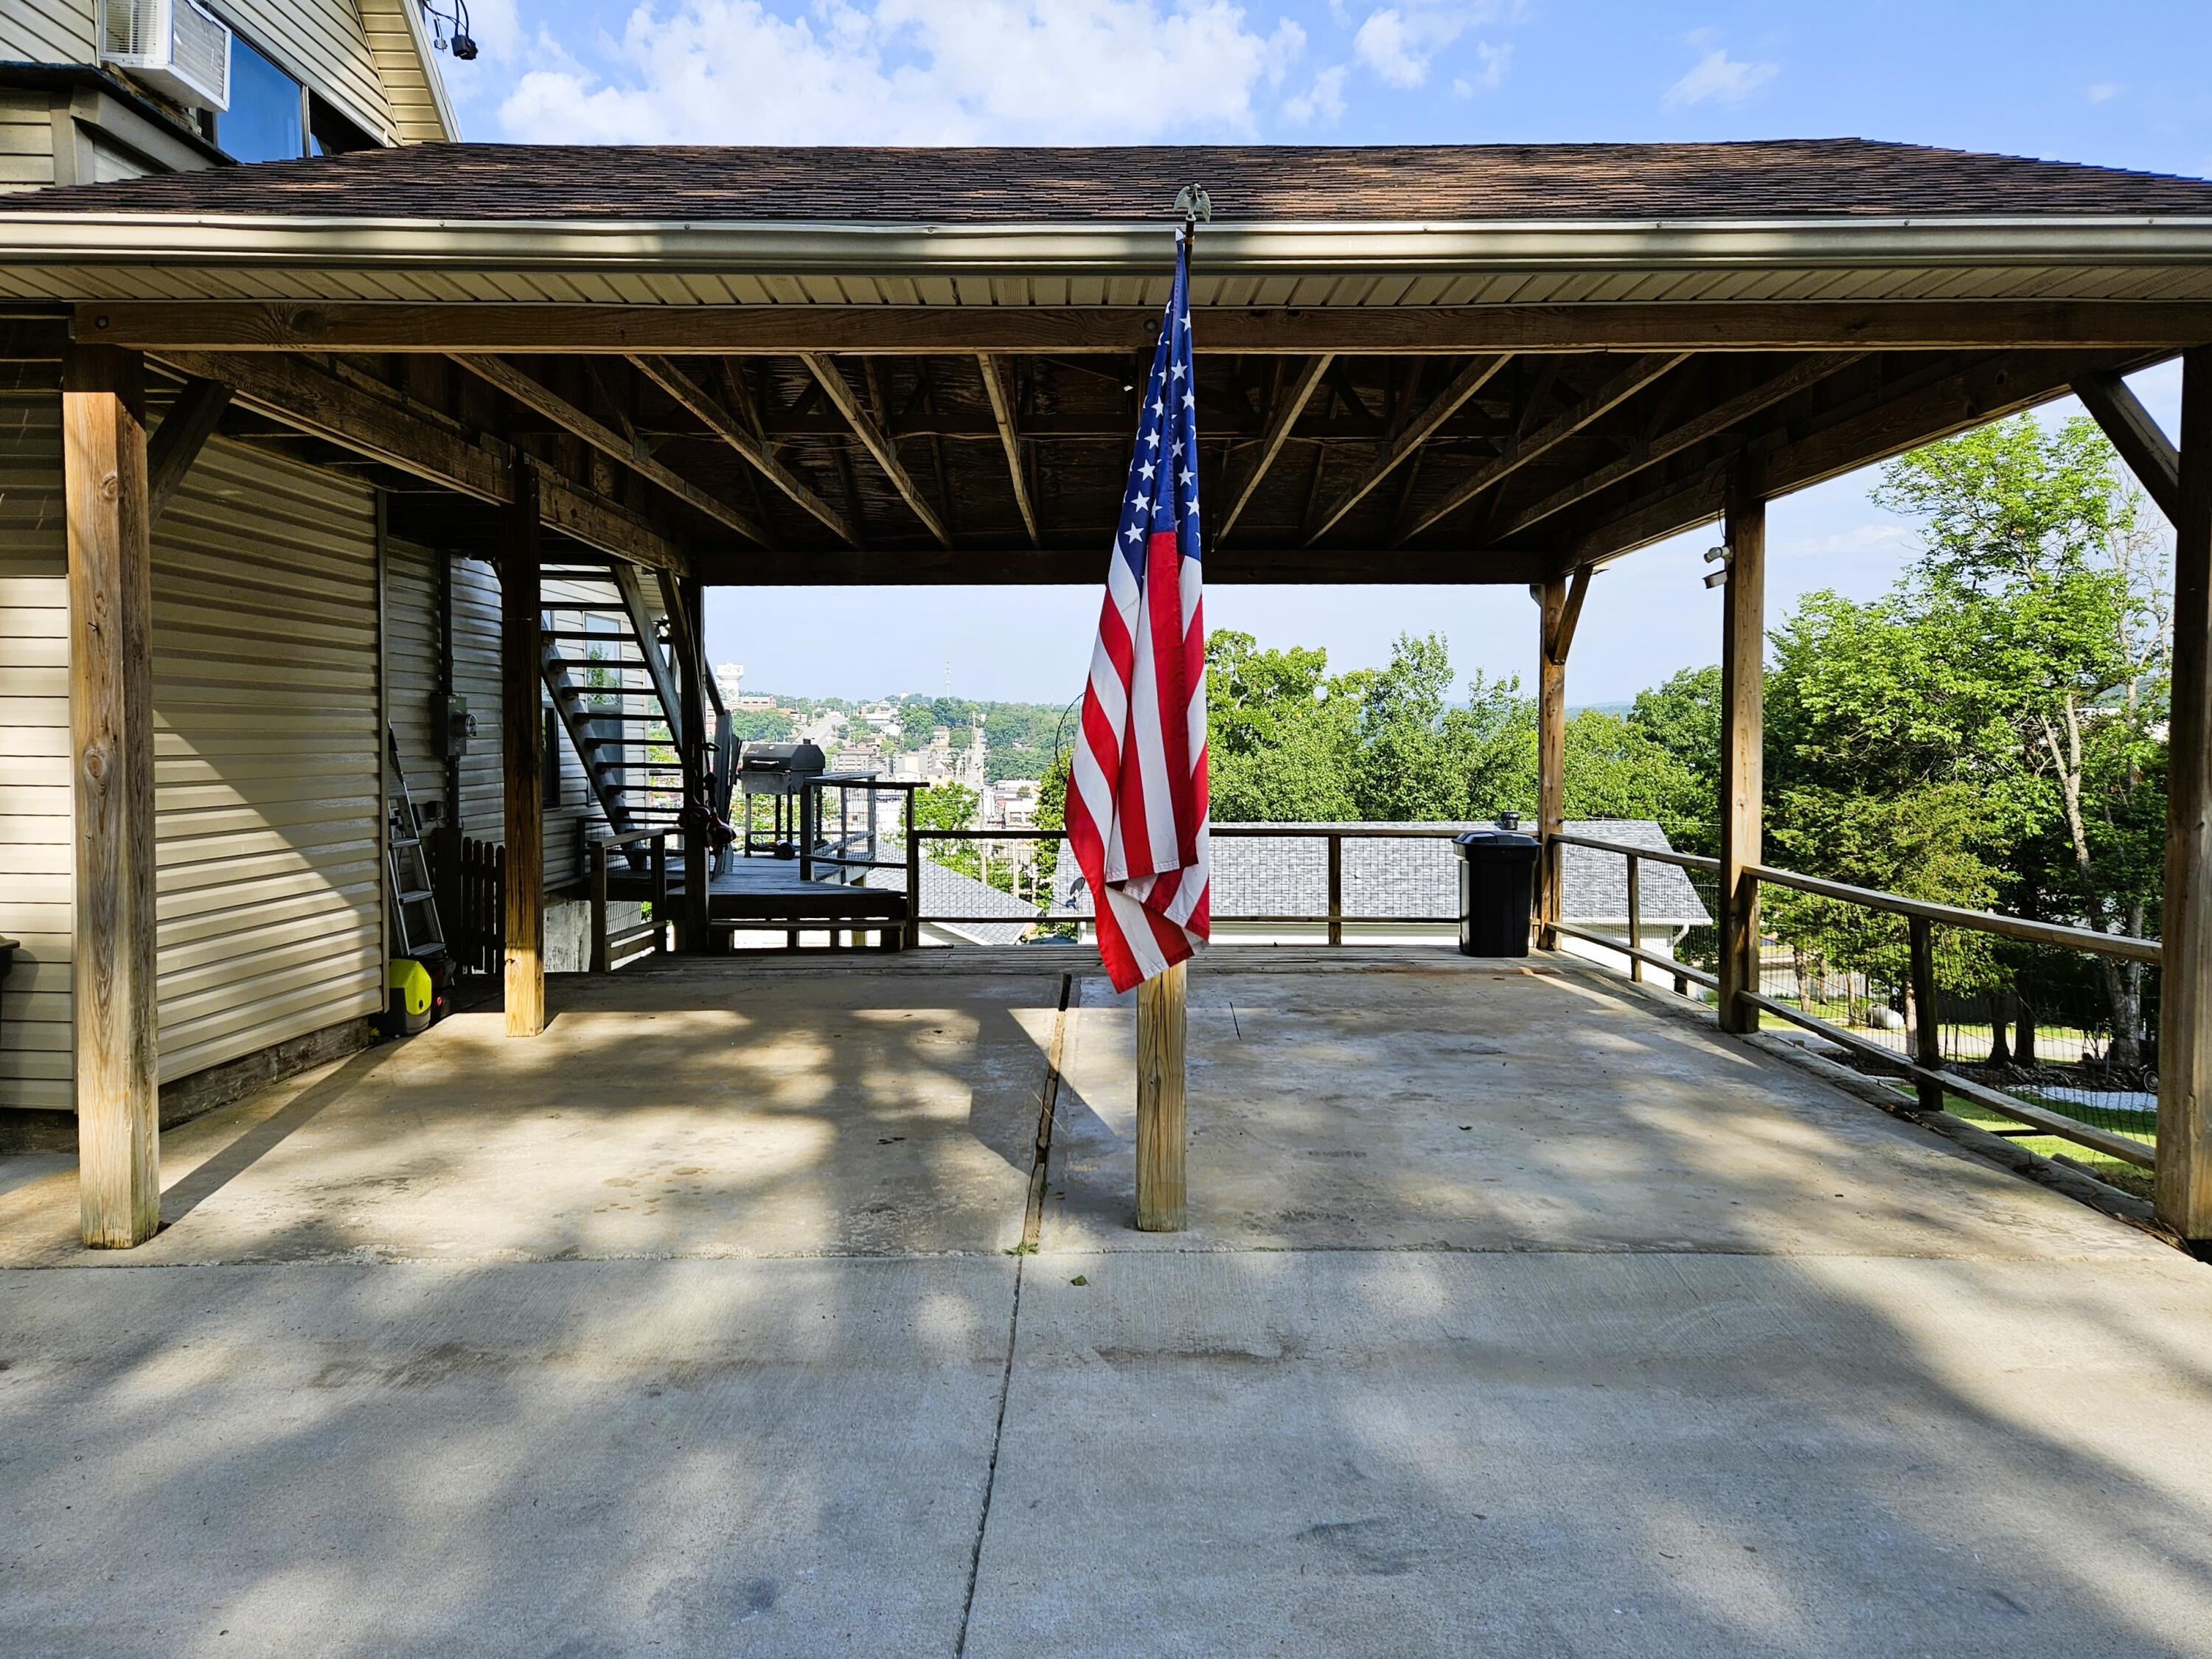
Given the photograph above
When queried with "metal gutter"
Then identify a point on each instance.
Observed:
(1102, 248)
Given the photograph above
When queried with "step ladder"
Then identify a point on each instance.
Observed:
(416, 930)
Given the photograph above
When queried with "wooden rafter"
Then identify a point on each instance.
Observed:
(873, 438)
(966, 565)
(535, 395)
(1522, 450)
(311, 400)
(1295, 397)
(673, 378)
(1806, 372)
(1411, 435)
(1002, 412)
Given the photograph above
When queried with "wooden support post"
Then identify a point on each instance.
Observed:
(1551, 756)
(911, 937)
(1635, 916)
(522, 755)
(1927, 1040)
(1335, 888)
(602, 959)
(1743, 656)
(1161, 1135)
(2183, 1180)
(698, 858)
(111, 747)
(660, 892)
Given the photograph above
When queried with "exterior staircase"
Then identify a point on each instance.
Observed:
(613, 683)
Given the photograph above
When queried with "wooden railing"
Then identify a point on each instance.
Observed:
(1333, 915)
(607, 945)
(1925, 1067)
(1682, 973)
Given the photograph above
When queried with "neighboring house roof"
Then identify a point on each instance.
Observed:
(1821, 178)
(1288, 876)
(948, 892)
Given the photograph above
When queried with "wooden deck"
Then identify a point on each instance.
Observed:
(770, 891)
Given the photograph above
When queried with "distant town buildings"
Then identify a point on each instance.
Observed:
(940, 762)
(728, 677)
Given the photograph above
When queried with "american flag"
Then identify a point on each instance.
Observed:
(1136, 802)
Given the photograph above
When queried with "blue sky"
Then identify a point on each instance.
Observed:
(2123, 85)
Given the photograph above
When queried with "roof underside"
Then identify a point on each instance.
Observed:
(861, 432)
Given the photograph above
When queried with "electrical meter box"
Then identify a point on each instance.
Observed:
(451, 725)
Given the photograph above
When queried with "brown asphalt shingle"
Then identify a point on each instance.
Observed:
(1827, 177)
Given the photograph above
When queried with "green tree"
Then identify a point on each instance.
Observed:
(1279, 733)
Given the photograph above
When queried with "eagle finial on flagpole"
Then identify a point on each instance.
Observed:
(1194, 205)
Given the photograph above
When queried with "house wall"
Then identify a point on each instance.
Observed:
(394, 31)
(269, 873)
(47, 32)
(35, 810)
(27, 140)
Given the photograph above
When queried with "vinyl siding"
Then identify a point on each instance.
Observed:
(46, 30)
(411, 665)
(397, 48)
(35, 836)
(27, 140)
(323, 40)
(268, 774)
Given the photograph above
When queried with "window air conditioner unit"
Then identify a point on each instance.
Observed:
(175, 46)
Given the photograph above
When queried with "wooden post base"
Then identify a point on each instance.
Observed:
(1161, 1133)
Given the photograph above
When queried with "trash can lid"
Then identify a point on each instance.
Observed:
(1473, 842)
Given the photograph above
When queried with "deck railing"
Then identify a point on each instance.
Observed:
(653, 932)
(1916, 981)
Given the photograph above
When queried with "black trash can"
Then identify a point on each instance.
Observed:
(1497, 891)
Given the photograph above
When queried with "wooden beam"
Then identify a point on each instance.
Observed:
(2150, 453)
(1296, 397)
(1743, 657)
(532, 394)
(1520, 451)
(839, 391)
(693, 934)
(177, 442)
(672, 377)
(1552, 628)
(2184, 1175)
(1712, 423)
(1085, 565)
(310, 399)
(111, 679)
(522, 755)
(1812, 450)
(1162, 1135)
(1562, 638)
(1410, 436)
(1002, 413)
(921, 331)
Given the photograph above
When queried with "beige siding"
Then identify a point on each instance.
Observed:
(34, 787)
(325, 41)
(397, 41)
(268, 802)
(27, 140)
(46, 30)
(411, 668)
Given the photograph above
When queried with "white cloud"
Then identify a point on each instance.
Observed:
(1325, 98)
(1718, 76)
(1399, 45)
(1859, 541)
(2104, 92)
(908, 71)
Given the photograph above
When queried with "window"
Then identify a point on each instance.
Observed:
(267, 121)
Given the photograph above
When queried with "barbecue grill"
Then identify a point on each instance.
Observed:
(781, 771)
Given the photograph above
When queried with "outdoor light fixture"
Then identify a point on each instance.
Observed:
(1714, 578)
(449, 29)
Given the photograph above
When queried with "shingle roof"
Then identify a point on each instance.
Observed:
(948, 892)
(1288, 875)
(1783, 177)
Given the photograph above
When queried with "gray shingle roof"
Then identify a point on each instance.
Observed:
(947, 892)
(1837, 178)
(1287, 875)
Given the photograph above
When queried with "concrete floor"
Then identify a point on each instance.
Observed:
(1516, 1315)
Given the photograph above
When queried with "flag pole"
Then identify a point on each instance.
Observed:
(1163, 1135)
